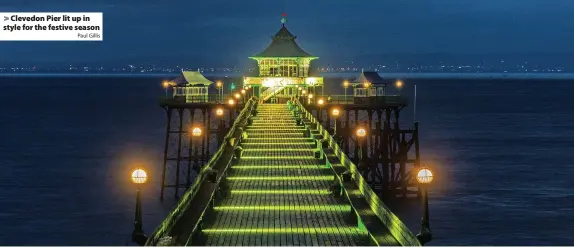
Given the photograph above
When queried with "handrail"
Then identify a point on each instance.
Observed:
(396, 227)
(172, 218)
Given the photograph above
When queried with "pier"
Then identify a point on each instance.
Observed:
(292, 166)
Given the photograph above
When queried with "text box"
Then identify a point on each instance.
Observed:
(48, 26)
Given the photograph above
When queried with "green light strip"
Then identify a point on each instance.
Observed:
(277, 129)
(278, 178)
(276, 149)
(301, 230)
(278, 143)
(281, 192)
(317, 208)
(280, 138)
(278, 158)
(279, 167)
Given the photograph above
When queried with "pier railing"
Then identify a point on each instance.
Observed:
(199, 99)
(165, 231)
(356, 100)
(396, 227)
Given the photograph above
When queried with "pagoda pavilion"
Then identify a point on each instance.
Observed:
(283, 69)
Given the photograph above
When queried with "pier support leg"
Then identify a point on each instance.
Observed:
(167, 134)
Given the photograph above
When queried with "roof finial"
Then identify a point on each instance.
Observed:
(284, 19)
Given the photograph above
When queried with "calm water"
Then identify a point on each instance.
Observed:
(502, 151)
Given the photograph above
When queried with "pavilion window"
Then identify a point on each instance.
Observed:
(381, 91)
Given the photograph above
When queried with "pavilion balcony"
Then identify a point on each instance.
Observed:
(379, 100)
(216, 99)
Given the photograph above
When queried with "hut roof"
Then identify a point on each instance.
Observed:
(283, 45)
(370, 76)
(191, 78)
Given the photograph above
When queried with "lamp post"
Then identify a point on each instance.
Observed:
(165, 85)
(219, 86)
(320, 103)
(219, 114)
(139, 176)
(361, 133)
(366, 85)
(346, 85)
(399, 84)
(335, 112)
(424, 178)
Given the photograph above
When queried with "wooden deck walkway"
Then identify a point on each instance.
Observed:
(279, 192)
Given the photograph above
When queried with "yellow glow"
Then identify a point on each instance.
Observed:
(399, 84)
(366, 84)
(237, 96)
(231, 102)
(304, 92)
(346, 84)
(310, 96)
(243, 91)
(219, 84)
(219, 112)
(320, 102)
(300, 88)
(361, 132)
(311, 81)
(139, 176)
(165, 84)
(424, 176)
(196, 131)
(335, 112)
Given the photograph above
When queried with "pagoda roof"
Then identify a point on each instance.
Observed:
(191, 78)
(283, 45)
(370, 76)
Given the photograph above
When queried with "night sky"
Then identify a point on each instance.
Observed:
(233, 30)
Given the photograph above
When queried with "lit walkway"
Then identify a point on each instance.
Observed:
(279, 191)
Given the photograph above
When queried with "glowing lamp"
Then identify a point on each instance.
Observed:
(310, 96)
(165, 84)
(399, 84)
(346, 84)
(320, 102)
(139, 176)
(361, 132)
(243, 91)
(219, 84)
(366, 84)
(335, 112)
(196, 131)
(300, 88)
(424, 176)
(219, 112)
(304, 91)
(231, 102)
(237, 96)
